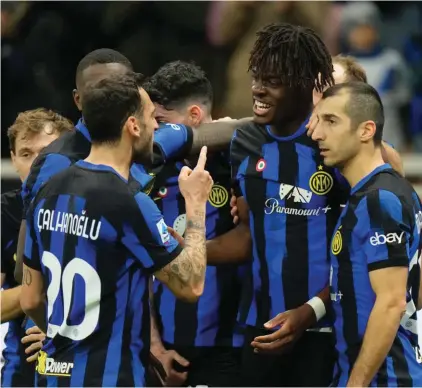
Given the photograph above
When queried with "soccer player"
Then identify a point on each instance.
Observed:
(76, 145)
(375, 249)
(30, 133)
(347, 69)
(204, 332)
(288, 204)
(93, 240)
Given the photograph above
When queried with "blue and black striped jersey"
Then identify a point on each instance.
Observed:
(16, 372)
(294, 203)
(212, 320)
(380, 227)
(96, 240)
(76, 145)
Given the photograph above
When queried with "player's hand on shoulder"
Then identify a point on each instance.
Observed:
(224, 119)
(33, 341)
(195, 185)
(312, 124)
(292, 325)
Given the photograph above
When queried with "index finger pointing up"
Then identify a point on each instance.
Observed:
(202, 159)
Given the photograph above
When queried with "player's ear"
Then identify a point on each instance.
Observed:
(367, 130)
(77, 99)
(196, 115)
(133, 127)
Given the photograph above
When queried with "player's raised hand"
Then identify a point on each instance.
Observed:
(195, 185)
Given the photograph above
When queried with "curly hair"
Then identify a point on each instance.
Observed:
(178, 82)
(295, 54)
(35, 121)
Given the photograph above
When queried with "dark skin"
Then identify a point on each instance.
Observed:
(284, 116)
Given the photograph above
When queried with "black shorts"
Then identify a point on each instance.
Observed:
(211, 366)
(309, 364)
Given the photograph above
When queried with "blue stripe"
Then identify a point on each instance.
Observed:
(168, 300)
(392, 378)
(275, 231)
(208, 314)
(11, 353)
(53, 164)
(138, 289)
(114, 351)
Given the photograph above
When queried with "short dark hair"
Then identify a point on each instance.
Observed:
(177, 82)
(364, 104)
(107, 105)
(295, 54)
(102, 56)
(353, 70)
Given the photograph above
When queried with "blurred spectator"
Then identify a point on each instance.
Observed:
(413, 54)
(385, 67)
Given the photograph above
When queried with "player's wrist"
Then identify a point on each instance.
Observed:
(318, 307)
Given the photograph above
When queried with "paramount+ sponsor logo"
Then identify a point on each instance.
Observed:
(389, 238)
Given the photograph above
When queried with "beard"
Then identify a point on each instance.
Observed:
(142, 154)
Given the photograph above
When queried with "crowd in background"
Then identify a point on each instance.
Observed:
(42, 43)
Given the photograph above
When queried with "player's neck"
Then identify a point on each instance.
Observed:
(362, 165)
(289, 126)
(112, 156)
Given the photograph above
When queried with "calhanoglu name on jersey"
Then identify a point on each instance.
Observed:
(49, 367)
(75, 224)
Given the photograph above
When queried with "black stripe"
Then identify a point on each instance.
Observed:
(296, 260)
(185, 314)
(255, 191)
(246, 293)
(401, 369)
(98, 342)
(346, 287)
(229, 292)
(382, 375)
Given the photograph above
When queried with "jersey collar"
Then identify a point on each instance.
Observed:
(365, 179)
(81, 127)
(99, 167)
(300, 131)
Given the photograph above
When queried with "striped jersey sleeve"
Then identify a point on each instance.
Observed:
(388, 231)
(148, 238)
(172, 142)
(43, 168)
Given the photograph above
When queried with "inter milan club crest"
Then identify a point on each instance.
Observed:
(260, 165)
(337, 242)
(321, 182)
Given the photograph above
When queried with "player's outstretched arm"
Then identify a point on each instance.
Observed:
(216, 135)
(185, 275)
(234, 246)
(176, 141)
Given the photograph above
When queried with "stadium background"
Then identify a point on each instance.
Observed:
(42, 43)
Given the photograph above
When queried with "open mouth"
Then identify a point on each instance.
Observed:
(323, 151)
(261, 108)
